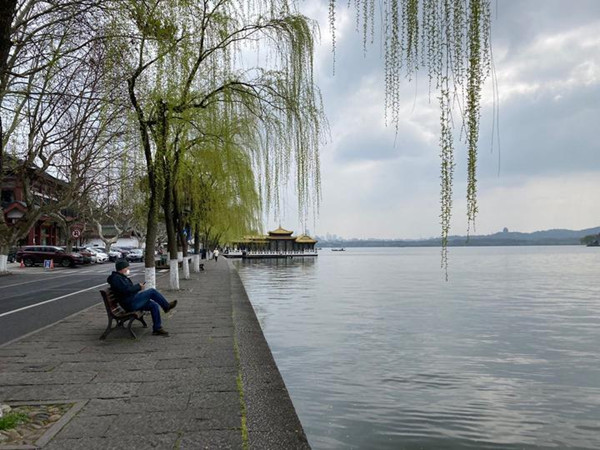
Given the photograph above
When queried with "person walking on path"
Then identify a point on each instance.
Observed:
(216, 254)
(133, 297)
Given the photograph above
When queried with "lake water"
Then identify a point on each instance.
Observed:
(379, 352)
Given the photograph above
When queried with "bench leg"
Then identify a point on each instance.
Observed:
(129, 327)
(108, 329)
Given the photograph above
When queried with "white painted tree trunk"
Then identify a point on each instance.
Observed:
(174, 275)
(150, 277)
(186, 268)
(180, 256)
(196, 263)
(3, 263)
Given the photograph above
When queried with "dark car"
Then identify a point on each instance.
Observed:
(135, 255)
(87, 256)
(123, 250)
(32, 255)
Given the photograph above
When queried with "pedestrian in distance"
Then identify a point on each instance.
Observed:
(216, 253)
(134, 297)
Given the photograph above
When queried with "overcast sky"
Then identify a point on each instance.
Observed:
(547, 174)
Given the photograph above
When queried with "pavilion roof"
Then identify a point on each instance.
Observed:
(280, 232)
(305, 239)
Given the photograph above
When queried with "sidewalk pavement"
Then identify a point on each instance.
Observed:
(212, 383)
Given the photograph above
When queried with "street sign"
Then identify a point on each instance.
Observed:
(76, 233)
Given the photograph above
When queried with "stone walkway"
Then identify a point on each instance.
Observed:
(212, 384)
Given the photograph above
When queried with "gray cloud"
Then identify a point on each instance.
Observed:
(547, 56)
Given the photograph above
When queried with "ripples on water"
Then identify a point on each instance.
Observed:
(378, 351)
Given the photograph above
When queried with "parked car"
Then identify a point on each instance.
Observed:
(88, 257)
(113, 255)
(137, 254)
(32, 255)
(100, 256)
(122, 250)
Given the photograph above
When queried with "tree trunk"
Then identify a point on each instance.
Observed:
(69, 245)
(151, 228)
(153, 203)
(4, 258)
(196, 257)
(171, 233)
(184, 255)
(185, 264)
(108, 242)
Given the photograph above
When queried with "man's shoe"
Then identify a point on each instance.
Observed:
(172, 305)
(160, 332)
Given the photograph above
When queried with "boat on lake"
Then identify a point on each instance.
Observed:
(338, 249)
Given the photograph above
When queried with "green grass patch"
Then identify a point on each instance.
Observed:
(12, 419)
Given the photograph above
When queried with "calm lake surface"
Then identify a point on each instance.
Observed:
(379, 352)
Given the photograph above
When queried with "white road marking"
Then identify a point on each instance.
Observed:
(27, 282)
(70, 274)
(50, 301)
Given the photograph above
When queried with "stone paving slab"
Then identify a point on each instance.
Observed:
(131, 442)
(135, 405)
(180, 392)
(209, 439)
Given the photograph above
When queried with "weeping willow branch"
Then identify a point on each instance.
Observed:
(450, 41)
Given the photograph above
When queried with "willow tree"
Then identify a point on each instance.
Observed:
(220, 193)
(187, 56)
(214, 184)
(450, 41)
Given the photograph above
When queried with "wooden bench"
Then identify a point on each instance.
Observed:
(116, 312)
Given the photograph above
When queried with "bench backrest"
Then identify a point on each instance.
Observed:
(110, 302)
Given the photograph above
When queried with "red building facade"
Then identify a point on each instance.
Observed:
(46, 231)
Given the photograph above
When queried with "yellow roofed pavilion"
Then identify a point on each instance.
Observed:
(279, 242)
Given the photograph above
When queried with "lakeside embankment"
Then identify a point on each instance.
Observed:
(212, 384)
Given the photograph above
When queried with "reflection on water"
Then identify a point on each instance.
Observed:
(379, 352)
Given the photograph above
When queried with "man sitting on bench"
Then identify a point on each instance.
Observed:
(133, 297)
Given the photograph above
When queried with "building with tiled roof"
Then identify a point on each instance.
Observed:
(278, 243)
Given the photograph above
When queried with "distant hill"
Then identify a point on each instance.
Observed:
(506, 238)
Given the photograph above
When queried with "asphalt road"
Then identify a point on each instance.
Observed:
(32, 298)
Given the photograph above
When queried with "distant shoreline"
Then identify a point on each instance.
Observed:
(504, 238)
(353, 244)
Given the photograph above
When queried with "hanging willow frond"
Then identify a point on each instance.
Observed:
(450, 40)
(447, 157)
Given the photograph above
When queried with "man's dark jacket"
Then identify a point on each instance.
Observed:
(123, 288)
